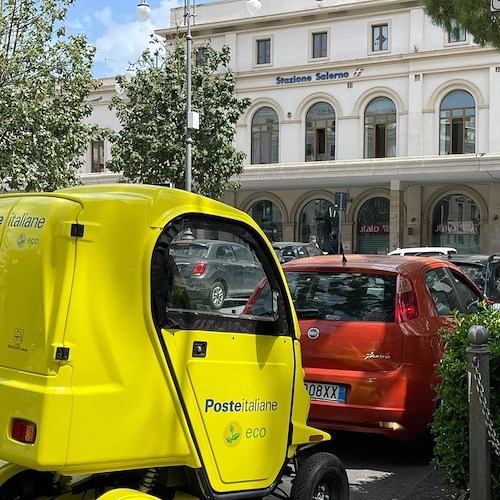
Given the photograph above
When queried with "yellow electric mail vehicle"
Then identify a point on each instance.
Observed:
(138, 360)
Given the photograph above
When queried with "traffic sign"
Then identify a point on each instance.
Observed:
(495, 5)
(341, 201)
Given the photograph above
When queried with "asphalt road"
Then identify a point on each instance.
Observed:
(385, 470)
(381, 469)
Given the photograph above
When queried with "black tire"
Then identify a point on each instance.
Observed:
(217, 295)
(320, 476)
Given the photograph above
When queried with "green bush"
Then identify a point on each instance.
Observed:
(450, 425)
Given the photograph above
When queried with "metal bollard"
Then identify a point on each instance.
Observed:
(478, 362)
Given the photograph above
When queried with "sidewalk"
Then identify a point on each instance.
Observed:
(381, 469)
(407, 483)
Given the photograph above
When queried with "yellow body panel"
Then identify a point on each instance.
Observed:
(126, 494)
(244, 414)
(119, 401)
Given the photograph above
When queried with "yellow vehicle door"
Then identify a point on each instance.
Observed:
(233, 367)
(37, 255)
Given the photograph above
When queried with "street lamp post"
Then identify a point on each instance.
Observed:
(192, 118)
(253, 7)
(188, 4)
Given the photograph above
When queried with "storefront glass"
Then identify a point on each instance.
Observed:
(318, 218)
(373, 226)
(268, 217)
(455, 223)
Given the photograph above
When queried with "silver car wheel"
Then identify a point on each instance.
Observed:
(217, 295)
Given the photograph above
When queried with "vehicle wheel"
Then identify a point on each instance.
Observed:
(321, 476)
(217, 295)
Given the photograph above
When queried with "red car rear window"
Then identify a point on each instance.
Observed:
(343, 296)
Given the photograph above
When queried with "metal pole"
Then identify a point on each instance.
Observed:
(189, 141)
(479, 449)
(341, 201)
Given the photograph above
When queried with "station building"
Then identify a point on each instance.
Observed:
(365, 118)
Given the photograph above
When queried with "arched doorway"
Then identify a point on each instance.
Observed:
(268, 216)
(455, 223)
(318, 217)
(373, 226)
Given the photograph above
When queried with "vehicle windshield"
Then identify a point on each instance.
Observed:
(343, 296)
(475, 273)
(492, 290)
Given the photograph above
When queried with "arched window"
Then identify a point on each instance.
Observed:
(373, 226)
(380, 128)
(320, 132)
(268, 216)
(318, 218)
(265, 132)
(455, 223)
(457, 124)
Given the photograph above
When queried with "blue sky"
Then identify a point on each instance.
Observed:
(112, 26)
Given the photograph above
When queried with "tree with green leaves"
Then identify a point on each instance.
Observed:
(474, 16)
(151, 146)
(44, 79)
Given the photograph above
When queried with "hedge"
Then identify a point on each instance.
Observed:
(450, 425)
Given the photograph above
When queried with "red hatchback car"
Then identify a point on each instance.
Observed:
(370, 338)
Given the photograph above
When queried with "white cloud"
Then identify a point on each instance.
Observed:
(122, 42)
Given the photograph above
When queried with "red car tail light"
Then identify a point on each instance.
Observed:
(198, 269)
(406, 301)
(23, 431)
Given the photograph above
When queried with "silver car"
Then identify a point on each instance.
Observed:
(215, 270)
(290, 250)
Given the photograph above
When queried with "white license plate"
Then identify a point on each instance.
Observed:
(326, 392)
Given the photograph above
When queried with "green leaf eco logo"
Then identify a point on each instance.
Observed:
(232, 434)
(21, 240)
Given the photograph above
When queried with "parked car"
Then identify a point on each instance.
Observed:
(370, 337)
(484, 270)
(214, 270)
(289, 250)
(424, 251)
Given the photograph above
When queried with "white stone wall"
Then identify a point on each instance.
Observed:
(417, 71)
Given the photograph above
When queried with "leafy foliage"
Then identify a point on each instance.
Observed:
(450, 426)
(150, 148)
(44, 78)
(473, 15)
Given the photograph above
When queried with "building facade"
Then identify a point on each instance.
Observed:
(365, 119)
